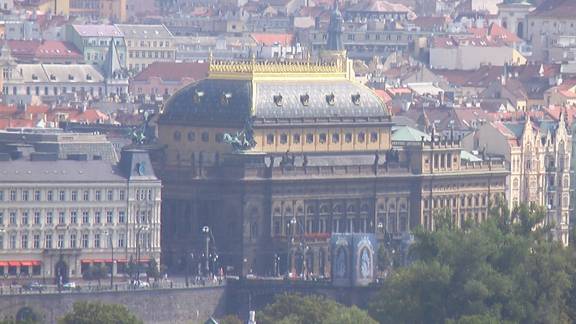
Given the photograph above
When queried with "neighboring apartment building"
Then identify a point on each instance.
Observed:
(547, 25)
(94, 41)
(147, 44)
(470, 53)
(22, 30)
(23, 83)
(114, 10)
(57, 217)
(538, 154)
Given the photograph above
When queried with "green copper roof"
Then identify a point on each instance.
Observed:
(408, 134)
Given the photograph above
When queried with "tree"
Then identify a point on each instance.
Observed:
(505, 269)
(152, 270)
(99, 313)
(296, 309)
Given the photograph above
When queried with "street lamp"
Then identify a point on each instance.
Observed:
(206, 231)
(109, 234)
(140, 229)
(292, 227)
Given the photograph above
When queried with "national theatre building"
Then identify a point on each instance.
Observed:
(265, 160)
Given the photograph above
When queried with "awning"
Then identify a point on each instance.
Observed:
(13, 263)
(36, 263)
(26, 263)
(3, 263)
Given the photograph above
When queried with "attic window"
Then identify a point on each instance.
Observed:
(34, 77)
(305, 99)
(52, 77)
(225, 99)
(278, 100)
(356, 99)
(198, 94)
(330, 99)
(70, 77)
(88, 77)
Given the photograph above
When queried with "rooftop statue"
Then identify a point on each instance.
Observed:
(243, 140)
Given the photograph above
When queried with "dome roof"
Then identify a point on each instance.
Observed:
(217, 100)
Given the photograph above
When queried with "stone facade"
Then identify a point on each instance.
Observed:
(59, 216)
(539, 157)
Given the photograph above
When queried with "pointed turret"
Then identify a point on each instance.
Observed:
(112, 66)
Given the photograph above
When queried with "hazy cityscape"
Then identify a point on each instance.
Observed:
(287, 161)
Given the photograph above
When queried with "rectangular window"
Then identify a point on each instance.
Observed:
(122, 195)
(12, 195)
(97, 240)
(121, 217)
(49, 195)
(37, 195)
(1, 242)
(60, 241)
(61, 217)
(25, 218)
(36, 241)
(74, 217)
(86, 195)
(121, 239)
(25, 195)
(296, 138)
(85, 217)
(13, 241)
(24, 241)
(36, 217)
(12, 218)
(110, 194)
(85, 240)
(98, 195)
(74, 195)
(48, 241)
(1, 195)
(109, 217)
(73, 241)
(62, 195)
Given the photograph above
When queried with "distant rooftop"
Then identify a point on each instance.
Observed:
(144, 31)
(98, 30)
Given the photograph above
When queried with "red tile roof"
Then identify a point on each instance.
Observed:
(169, 71)
(495, 31)
(31, 49)
(269, 39)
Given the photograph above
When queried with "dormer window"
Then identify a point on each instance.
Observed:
(278, 100)
(330, 99)
(34, 77)
(88, 77)
(305, 99)
(52, 77)
(356, 99)
(70, 77)
(225, 99)
(198, 94)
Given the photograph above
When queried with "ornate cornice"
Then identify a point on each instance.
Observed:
(254, 69)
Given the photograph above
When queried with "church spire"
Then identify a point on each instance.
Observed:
(112, 65)
(335, 41)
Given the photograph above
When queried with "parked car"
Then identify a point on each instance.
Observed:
(70, 285)
(34, 286)
(141, 284)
